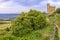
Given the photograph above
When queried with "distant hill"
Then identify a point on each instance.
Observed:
(8, 16)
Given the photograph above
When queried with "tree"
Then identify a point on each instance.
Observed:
(58, 10)
(27, 22)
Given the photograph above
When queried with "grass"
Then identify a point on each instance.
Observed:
(58, 21)
(4, 22)
(41, 34)
(56, 35)
(3, 26)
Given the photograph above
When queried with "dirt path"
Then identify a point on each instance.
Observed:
(54, 25)
(54, 28)
(58, 31)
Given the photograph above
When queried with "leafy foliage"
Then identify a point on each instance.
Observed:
(33, 25)
(58, 10)
(27, 22)
(34, 35)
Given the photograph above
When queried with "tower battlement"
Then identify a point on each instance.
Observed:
(50, 9)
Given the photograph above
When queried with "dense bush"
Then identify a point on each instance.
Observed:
(58, 10)
(27, 22)
(32, 25)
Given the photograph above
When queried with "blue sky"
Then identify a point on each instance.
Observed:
(17, 6)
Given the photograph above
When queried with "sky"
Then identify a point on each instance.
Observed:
(17, 6)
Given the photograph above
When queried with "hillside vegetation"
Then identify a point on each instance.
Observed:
(32, 25)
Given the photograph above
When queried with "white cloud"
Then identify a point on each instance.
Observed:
(11, 7)
(1, 0)
(57, 4)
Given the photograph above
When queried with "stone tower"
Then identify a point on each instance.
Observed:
(50, 9)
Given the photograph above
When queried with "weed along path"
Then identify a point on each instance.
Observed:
(59, 32)
(55, 25)
(58, 29)
(58, 24)
(54, 28)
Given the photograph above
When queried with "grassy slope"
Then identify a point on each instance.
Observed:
(43, 34)
(39, 34)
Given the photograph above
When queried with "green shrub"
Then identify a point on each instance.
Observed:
(58, 10)
(27, 22)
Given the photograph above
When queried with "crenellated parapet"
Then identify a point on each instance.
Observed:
(50, 9)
